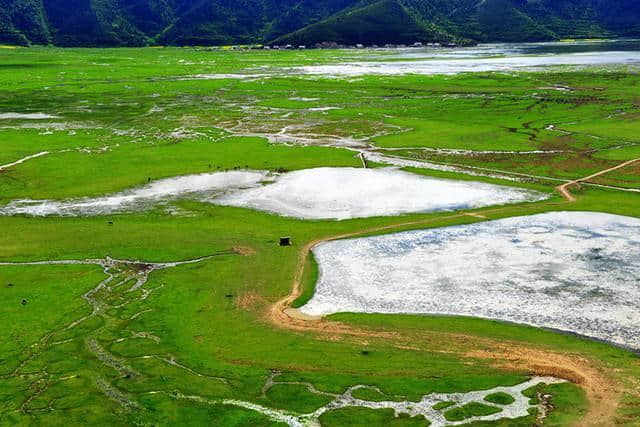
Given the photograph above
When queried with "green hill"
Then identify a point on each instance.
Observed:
(214, 22)
(383, 21)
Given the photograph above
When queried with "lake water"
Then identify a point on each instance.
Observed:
(572, 271)
(343, 193)
(483, 58)
(321, 193)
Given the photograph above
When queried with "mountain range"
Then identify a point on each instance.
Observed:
(308, 22)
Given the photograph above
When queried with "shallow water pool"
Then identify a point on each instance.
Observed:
(321, 193)
(572, 271)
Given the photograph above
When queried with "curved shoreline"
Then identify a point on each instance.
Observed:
(602, 392)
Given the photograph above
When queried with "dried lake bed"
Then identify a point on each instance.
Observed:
(572, 271)
(321, 193)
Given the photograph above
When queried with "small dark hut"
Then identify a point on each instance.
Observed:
(285, 241)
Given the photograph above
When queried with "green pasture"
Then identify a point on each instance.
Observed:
(172, 356)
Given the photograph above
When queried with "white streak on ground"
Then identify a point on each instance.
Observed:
(26, 116)
(24, 159)
(424, 407)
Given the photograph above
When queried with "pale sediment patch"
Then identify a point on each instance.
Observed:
(323, 109)
(342, 193)
(570, 271)
(446, 167)
(27, 116)
(48, 126)
(461, 152)
(296, 314)
(299, 134)
(303, 99)
(222, 76)
(203, 185)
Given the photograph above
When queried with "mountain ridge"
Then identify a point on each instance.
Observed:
(219, 22)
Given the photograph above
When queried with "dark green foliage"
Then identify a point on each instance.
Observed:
(443, 405)
(473, 409)
(215, 22)
(500, 398)
(295, 397)
(22, 22)
(384, 21)
(495, 13)
(369, 417)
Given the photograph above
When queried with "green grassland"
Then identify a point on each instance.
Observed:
(196, 334)
(500, 397)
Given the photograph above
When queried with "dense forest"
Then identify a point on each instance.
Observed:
(219, 22)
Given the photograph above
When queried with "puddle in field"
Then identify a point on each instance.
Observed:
(572, 271)
(27, 116)
(322, 193)
(223, 76)
(303, 99)
(342, 193)
(138, 199)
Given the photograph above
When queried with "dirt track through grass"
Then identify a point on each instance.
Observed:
(602, 392)
(564, 188)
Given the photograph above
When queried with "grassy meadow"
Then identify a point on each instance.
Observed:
(171, 352)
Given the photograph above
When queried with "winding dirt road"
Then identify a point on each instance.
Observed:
(283, 315)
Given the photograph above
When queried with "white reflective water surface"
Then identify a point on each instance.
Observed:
(572, 271)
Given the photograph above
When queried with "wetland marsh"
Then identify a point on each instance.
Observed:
(144, 192)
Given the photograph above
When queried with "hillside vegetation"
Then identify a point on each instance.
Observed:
(216, 22)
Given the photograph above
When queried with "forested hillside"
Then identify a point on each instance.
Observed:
(215, 22)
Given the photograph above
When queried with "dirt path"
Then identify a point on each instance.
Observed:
(564, 188)
(603, 393)
(283, 315)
